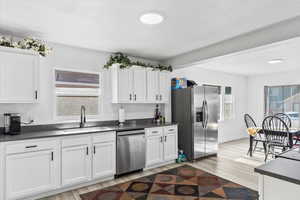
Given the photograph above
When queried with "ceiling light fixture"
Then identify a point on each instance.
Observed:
(151, 18)
(275, 61)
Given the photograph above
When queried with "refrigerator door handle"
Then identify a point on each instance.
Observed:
(206, 113)
(203, 114)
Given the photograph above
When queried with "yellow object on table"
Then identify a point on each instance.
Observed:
(252, 131)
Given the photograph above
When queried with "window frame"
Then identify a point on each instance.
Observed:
(77, 118)
(266, 95)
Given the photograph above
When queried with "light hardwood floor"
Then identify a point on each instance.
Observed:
(232, 163)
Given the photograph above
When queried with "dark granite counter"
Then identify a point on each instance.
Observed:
(38, 134)
(281, 168)
(292, 154)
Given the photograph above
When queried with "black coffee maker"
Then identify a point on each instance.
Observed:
(12, 123)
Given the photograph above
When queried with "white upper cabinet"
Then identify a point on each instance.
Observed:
(158, 86)
(124, 80)
(128, 85)
(164, 86)
(18, 76)
(139, 85)
(152, 86)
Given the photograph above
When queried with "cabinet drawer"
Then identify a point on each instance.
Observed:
(170, 129)
(104, 137)
(76, 141)
(30, 145)
(153, 131)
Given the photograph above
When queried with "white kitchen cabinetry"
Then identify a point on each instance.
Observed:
(31, 167)
(139, 85)
(170, 143)
(164, 86)
(104, 155)
(76, 160)
(18, 76)
(128, 85)
(158, 86)
(152, 86)
(161, 145)
(154, 146)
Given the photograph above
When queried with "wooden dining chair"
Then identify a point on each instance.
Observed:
(250, 123)
(288, 122)
(277, 135)
(285, 118)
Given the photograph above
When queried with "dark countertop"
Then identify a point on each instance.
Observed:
(281, 168)
(292, 154)
(78, 131)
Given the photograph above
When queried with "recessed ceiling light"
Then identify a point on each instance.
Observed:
(275, 61)
(151, 18)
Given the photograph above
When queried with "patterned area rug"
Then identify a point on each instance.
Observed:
(182, 183)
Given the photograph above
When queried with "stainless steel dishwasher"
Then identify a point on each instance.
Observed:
(130, 151)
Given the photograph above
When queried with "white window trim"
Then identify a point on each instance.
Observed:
(60, 119)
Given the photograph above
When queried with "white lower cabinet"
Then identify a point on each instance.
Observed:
(76, 160)
(154, 150)
(32, 169)
(104, 159)
(104, 154)
(161, 145)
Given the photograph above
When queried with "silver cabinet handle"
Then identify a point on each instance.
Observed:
(171, 129)
(156, 97)
(94, 149)
(52, 156)
(87, 151)
(154, 131)
(165, 138)
(161, 139)
(130, 97)
(135, 97)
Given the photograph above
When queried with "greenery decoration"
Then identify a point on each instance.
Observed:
(27, 43)
(6, 42)
(125, 62)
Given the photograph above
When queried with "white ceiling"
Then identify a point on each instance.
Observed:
(255, 61)
(113, 25)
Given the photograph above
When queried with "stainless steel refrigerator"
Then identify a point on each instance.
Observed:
(197, 111)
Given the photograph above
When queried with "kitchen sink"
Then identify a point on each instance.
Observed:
(87, 130)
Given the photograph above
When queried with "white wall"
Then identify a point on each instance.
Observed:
(73, 58)
(229, 129)
(256, 90)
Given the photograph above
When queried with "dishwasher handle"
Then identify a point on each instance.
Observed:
(135, 132)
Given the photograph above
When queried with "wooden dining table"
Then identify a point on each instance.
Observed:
(293, 132)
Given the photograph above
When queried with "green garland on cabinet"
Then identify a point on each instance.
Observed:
(26, 43)
(125, 62)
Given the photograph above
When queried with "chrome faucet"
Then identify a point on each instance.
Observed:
(82, 116)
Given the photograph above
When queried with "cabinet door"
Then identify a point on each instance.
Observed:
(170, 143)
(125, 82)
(164, 86)
(170, 147)
(76, 165)
(139, 85)
(30, 173)
(104, 159)
(18, 78)
(154, 150)
(152, 86)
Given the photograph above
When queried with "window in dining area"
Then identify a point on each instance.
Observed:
(283, 99)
